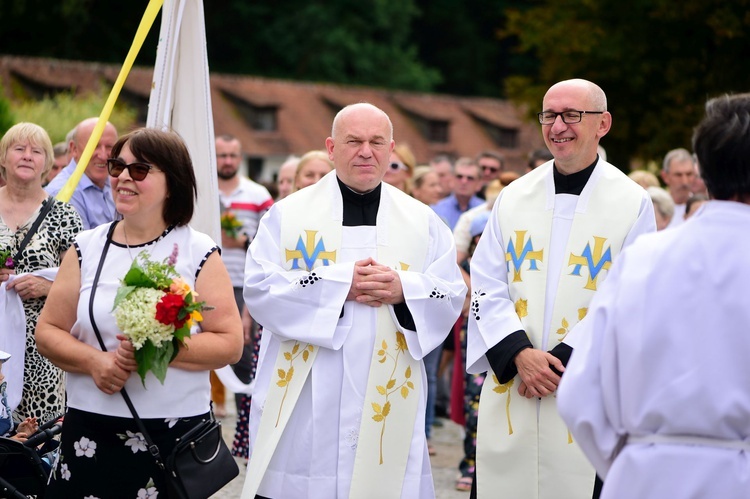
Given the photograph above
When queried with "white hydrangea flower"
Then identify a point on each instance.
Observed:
(85, 447)
(136, 317)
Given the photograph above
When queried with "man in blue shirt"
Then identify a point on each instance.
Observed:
(466, 183)
(92, 197)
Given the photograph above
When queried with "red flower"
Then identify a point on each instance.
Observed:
(168, 308)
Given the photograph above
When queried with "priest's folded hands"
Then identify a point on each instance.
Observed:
(374, 284)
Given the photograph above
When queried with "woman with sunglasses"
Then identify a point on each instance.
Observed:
(400, 168)
(103, 450)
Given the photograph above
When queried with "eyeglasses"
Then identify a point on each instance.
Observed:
(137, 171)
(465, 177)
(568, 117)
(396, 166)
(491, 169)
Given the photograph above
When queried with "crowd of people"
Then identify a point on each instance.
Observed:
(368, 295)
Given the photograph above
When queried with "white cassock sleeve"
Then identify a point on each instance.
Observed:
(497, 314)
(588, 395)
(280, 306)
(436, 295)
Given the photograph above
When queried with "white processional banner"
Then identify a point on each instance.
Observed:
(181, 100)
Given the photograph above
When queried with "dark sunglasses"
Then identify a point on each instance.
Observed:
(137, 171)
(492, 169)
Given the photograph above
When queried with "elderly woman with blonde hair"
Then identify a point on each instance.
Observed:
(311, 167)
(644, 178)
(35, 231)
(401, 168)
(663, 206)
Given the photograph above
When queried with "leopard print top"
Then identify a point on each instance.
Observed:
(43, 383)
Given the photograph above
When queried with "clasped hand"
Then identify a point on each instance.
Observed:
(28, 286)
(374, 284)
(111, 370)
(537, 379)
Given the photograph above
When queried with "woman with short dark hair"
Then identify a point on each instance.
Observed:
(102, 450)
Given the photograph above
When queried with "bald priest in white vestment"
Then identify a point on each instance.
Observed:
(354, 283)
(658, 392)
(548, 245)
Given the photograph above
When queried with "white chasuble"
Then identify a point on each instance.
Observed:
(340, 386)
(556, 249)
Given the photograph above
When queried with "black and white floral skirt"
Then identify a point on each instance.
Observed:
(107, 457)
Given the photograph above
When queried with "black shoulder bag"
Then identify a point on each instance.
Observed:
(39, 219)
(200, 463)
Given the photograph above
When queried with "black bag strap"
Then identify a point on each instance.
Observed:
(39, 219)
(152, 448)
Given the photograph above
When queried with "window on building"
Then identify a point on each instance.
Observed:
(260, 118)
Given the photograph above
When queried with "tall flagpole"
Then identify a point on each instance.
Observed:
(143, 28)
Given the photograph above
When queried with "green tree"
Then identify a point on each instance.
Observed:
(364, 42)
(75, 29)
(60, 113)
(657, 61)
(462, 39)
(6, 115)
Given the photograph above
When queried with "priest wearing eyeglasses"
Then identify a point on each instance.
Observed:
(354, 282)
(547, 247)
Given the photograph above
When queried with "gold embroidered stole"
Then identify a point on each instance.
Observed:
(523, 446)
(311, 234)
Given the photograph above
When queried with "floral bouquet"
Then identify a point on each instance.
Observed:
(6, 259)
(230, 224)
(155, 309)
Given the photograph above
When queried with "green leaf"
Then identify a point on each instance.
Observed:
(161, 361)
(175, 349)
(122, 293)
(136, 277)
(144, 357)
(182, 333)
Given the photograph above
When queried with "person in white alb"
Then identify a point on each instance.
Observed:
(550, 240)
(657, 393)
(354, 283)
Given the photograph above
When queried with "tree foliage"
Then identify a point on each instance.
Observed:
(60, 113)
(462, 39)
(657, 61)
(6, 115)
(345, 41)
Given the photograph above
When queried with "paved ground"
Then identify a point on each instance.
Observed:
(447, 441)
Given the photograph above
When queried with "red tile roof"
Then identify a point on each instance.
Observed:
(304, 111)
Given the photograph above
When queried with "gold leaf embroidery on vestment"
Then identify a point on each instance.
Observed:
(582, 313)
(563, 331)
(522, 308)
(502, 388)
(392, 385)
(286, 375)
